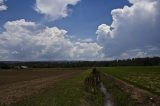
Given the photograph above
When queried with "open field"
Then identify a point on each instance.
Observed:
(13, 75)
(46, 87)
(133, 84)
(128, 86)
(68, 92)
(15, 85)
(144, 77)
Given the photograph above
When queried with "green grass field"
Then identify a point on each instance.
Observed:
(144, 77)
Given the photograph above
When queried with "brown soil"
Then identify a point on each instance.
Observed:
(13, 92)
(139, 96)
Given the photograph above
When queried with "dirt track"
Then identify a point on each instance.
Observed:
(13, 92)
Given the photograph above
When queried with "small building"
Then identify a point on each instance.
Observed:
(23, 67)
(20, 67)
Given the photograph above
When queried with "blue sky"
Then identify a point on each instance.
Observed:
(87, 14)
(110, 29)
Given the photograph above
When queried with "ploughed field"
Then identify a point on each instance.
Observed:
(15, 85)
(17, 75)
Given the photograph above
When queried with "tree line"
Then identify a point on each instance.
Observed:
(147, 61)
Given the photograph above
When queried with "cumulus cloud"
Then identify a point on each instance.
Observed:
(24, 40)
(147, 51)
(135, 26)
(104, 31)
(54, 9)
(2, 5)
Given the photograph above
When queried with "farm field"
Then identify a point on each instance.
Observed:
(65, 86)
(141, 83)
(144, 77)
(68, 92)
(16, 75)
(46, 87)
(17, 84)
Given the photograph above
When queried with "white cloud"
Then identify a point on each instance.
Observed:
(104, 31)
(2, 5)
(148, 51)
(23, 40)
(134, 53)
(137, 1)
(133, 27)
(54, 9)
(89, 40)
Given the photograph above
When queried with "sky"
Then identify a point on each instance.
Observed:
(79, 29)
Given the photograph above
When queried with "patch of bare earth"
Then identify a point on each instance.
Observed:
(139, 96)
(13, 92)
